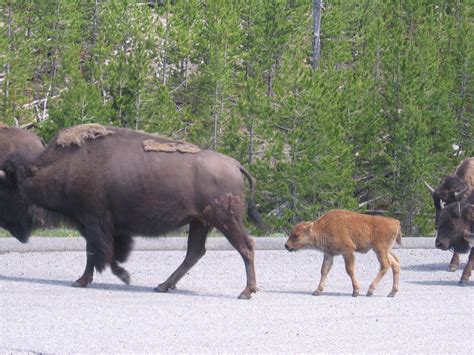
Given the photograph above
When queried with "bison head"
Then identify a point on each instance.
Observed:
(454, 229)
(452, 189)
(300, 237)
(16, 213)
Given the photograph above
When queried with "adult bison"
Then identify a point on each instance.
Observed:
(456, 231)
(453, 188)
(14, 139)
(114, 183)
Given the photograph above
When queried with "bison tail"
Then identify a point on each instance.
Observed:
(252, 210)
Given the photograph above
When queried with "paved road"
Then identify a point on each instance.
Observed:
(40, 313)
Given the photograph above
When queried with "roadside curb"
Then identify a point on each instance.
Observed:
(57, 244)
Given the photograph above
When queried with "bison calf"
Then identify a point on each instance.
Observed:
(344, 232)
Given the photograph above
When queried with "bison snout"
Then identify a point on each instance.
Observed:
(441, 245)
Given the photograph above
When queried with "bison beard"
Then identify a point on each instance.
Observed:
(103, 180)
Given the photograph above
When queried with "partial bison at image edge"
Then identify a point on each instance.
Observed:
(456, 231)
(453, 188)
(341, 232)
(113, 183)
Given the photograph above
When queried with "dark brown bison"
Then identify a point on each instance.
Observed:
(453, 188)
(17, 140)
(456, 231)
(114, 183)
(14, 139)
(341, 232)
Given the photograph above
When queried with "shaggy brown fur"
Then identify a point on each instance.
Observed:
(77, 135)
(345, 232)
(111, 190)
(170, 147)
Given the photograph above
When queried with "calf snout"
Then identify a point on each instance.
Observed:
(288, 247)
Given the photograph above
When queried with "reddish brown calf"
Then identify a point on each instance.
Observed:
(341, 232)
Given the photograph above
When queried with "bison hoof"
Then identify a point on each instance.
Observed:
(80, 284)
(164, 287)
(463, 282)
(392, 294)
(125, 277)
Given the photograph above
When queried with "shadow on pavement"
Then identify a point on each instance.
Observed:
(430, 267)
(310, 293)
(450, 283)
(111, 287)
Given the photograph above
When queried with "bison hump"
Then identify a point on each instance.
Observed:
(77, 135)
(150, 145)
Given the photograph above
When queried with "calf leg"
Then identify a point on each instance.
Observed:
(349, 259)
(384, 266)
(325, 268)
(196, 250)
(466, 274)
(454, 263)
(395, 264)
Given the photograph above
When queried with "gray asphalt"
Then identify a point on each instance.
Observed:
(41, 313)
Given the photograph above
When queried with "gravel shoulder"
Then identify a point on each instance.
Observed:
(41, 313)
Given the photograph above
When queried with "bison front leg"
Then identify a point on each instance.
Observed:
(196, 250)
(325, 268)
(454, 263)
(88, 274)
(466, 274)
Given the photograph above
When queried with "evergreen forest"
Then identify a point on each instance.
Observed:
(384, 103)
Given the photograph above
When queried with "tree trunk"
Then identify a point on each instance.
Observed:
(317, 6)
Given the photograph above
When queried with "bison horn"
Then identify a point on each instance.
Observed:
(2, 175)
(458, 195)
(429, 187)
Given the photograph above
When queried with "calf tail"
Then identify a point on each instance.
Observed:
(399, 235)
(252, 206)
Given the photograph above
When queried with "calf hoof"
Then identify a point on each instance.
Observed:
(370, 293)
(247, 293)
(244, 296)
(392, 293)
(317, 292)
(355, 294)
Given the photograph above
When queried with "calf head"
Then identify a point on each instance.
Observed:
(300, 237)
(15, 210)
(454, 228)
